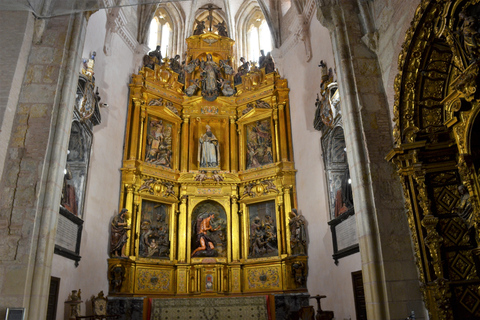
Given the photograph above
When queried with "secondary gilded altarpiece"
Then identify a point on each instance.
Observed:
(208, 180)
(436, 133)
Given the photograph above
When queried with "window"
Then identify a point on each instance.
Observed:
(153, 34)
(258, 38)
(160, 33)
(166, 31)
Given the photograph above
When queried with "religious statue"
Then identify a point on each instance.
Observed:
(226, 88)
(227, 68)
(464, 207)
(471, 36)
(152, 58)
(210, 77)
(204, 242)
(190, 91)
(200, 28)
(89, 65)
(269, 64)
(69, 198)
(119, 235)
(241, 71)
(261, 60)
(344, 197)
(298, 233)
(222, 29)
(175, 64)
(208, 150)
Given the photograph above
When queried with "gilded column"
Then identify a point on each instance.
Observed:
(283, 133)
(135, 125)
(277, 135)
(233, 145)
(228, 144)
(235, 228)
(441, 293)
(287, 206)
(140, 136)
(244, 216)
(184, 160)
(182, 229)
(129, 219)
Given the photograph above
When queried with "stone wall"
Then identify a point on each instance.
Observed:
(30, 187)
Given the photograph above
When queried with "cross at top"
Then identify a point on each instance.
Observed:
(210, 7)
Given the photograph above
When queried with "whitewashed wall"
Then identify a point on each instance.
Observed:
(304, 78)
(112, 75)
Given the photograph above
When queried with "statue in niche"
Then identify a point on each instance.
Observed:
(152, 58)
(344, 197)
(471, 36)
(269, 64)
(298, 233)
(69, 197)
(210, 78)
(119, 235)
(241, 71)
(204, 242)
(199, 29)
(222, 29)
(464, 207)
(208, 150)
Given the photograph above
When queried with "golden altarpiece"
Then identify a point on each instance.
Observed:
(437, 137)
(208, 180)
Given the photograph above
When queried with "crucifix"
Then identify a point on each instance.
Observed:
(210, 7)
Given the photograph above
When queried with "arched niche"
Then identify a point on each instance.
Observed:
(436, 142)
(213, 232)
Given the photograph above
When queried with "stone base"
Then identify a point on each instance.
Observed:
(287, 305)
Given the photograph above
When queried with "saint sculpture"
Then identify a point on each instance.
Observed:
(204, 242)
(119, 235)
(208, 150)
(298, 233)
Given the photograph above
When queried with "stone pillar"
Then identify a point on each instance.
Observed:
(389, 273)
(31, 185)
